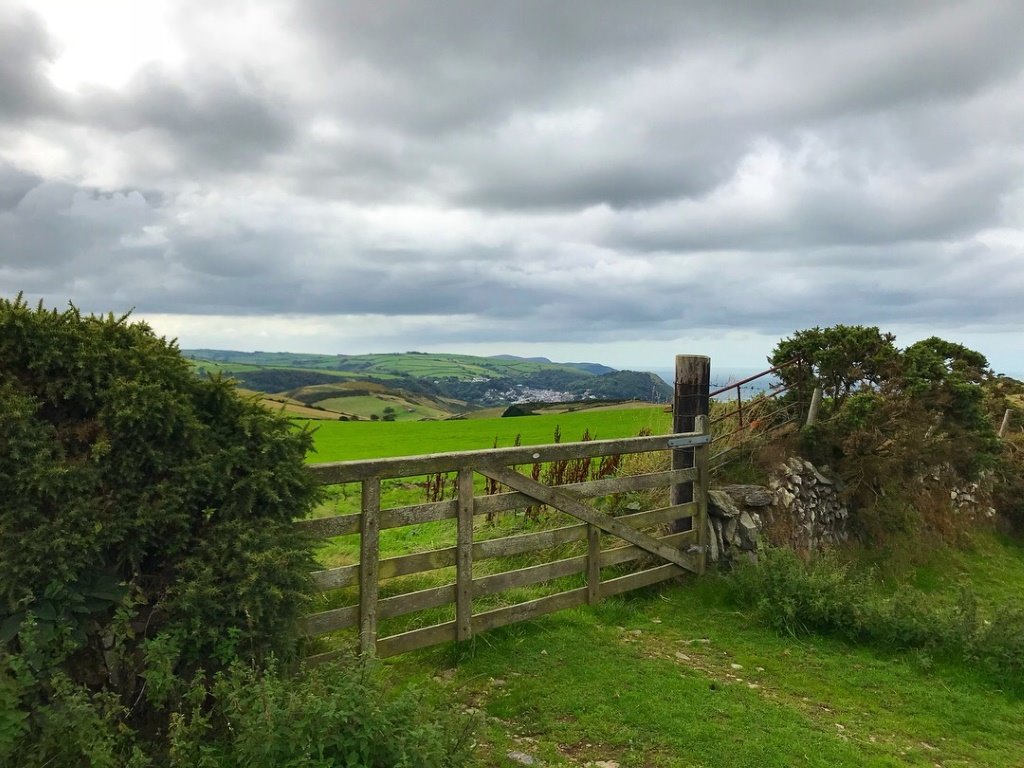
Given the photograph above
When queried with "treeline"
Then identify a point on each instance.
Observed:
(272, 380)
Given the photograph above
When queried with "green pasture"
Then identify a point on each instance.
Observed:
(678, 676)
(351, 440)
(336, 441)
(365, 406)
(385, 365)
(211, 367)
(430, 365)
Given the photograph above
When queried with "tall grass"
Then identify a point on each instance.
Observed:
(832, 597)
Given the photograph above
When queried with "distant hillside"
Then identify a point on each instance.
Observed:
(417, 364)
(595, 368)
(467, 379)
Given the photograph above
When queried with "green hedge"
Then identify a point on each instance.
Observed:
(149, 567)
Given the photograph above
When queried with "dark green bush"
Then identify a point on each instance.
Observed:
(150, 571)
(127, 480)
(138, 504)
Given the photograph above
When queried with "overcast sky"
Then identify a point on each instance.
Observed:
(611, 181)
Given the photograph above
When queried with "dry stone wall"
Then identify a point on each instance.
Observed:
(970, 501)
(801, 508)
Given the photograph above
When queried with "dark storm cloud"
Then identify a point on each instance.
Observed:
(533, 171)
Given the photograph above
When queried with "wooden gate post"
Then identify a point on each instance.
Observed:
(701, 485)
(369, 565)
(690, 400)
(464, 558)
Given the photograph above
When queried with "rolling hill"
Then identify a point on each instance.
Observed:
(423, 385)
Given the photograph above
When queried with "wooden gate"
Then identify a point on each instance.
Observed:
(603, 540)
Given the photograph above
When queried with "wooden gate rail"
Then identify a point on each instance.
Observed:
(410, 466)
(679, 552)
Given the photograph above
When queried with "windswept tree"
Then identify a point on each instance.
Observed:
(893, 414)
(841, 359)
(947, 378)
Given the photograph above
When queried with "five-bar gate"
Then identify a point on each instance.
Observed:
(613, 553)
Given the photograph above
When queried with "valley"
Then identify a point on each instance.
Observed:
(417, 386)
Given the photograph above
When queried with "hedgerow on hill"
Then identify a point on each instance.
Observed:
(149, 567)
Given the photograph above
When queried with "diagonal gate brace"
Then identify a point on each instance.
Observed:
(561, 500)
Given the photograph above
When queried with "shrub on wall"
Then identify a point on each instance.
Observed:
(890, 416)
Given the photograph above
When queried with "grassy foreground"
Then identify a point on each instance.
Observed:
(678, 677)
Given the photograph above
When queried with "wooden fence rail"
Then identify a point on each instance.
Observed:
(634, 538)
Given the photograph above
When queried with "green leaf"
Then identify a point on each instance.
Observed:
(10, 627)
(45, 611)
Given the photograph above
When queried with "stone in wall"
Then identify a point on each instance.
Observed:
(801, 508)
(971, 501)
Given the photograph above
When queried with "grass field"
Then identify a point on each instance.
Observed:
(676, 677)
(365, 406)
(212, 368)
(344, 441)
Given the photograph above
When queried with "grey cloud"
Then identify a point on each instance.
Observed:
(618, 170)
(447, 82)
(25, 50)
(209, 118)
(14, 185)
(71, 243)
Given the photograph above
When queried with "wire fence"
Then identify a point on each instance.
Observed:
(753, 409)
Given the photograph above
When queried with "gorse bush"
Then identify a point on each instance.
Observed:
(139, 504)
(147, 549)
(128, 481)
(890, 416)
(828, 596)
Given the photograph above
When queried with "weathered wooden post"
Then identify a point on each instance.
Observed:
(1006, 423)
(702, 483)
(369, 565)
(464, 557)
(812, 412)
(690, 400)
